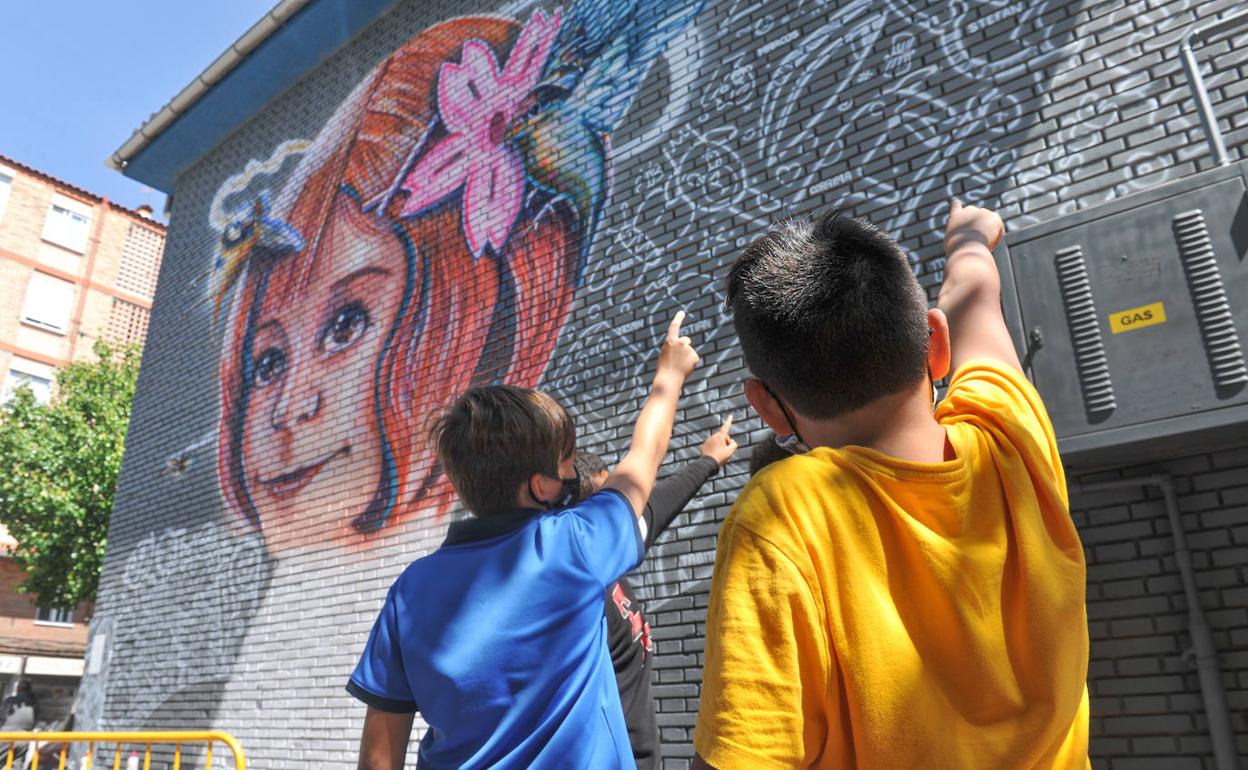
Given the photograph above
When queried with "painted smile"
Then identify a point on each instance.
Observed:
(289, 483)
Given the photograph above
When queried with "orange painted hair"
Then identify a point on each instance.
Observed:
(463, 321)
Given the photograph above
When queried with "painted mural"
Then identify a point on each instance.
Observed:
(430, 237)
(524, 196)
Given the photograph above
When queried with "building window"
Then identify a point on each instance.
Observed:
(37, 375)
(54, 616)
(49, 302)
(40, 386)
(6, 183)
(68, 224)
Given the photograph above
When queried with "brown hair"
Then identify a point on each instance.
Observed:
(493, 438)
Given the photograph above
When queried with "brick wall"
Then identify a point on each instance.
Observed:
(1146, 708)
(756, 110)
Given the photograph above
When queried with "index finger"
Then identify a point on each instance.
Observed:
(955, 205)
(673, 329)
(726, 426)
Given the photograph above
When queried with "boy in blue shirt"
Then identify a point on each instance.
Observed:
(498, 637)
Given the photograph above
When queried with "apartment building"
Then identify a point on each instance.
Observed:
(75, 267)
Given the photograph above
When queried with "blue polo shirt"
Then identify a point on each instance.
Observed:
(498, 639)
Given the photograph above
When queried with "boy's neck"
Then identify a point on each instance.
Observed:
(901, 425)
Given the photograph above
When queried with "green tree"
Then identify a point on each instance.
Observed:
(58, 470)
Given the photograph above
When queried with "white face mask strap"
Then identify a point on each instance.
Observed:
(792, 444)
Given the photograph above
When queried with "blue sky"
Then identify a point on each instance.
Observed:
(77, 78)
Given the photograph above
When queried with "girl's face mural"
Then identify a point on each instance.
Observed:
(311, 437)
(430, 238)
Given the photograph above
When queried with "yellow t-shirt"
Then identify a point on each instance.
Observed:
(870, 612)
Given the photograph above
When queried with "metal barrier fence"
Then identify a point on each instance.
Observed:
(99, 743)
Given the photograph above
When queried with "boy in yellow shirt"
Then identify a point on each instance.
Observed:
(908, 590)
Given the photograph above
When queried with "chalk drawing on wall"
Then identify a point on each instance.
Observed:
(431, 236)
(806, 110)
(174, 622)
(834, 103)
(1128, 92)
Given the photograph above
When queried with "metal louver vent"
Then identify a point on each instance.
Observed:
(1213, 313)
(1137, 338)
(1085, 331)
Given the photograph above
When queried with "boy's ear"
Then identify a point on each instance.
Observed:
(938, 350)
(538, 485)
(767, 407)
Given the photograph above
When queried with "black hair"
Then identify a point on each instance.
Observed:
(829, 314)
(765, 453)
(588, 465)
(26, 691)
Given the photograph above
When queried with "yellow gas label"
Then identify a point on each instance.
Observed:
(1137, 318)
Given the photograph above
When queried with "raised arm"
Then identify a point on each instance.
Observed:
(634, 475)
(670, 496)
(970, 297)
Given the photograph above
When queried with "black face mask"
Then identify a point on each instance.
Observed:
(568, 493)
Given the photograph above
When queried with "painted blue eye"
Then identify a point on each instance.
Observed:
(345, 327)
(268, 366)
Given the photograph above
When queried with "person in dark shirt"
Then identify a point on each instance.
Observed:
(628, 634)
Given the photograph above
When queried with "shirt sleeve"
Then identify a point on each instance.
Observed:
(999, 400)
(605, 535)
(770, 691)
(379, 678)
(670, 496)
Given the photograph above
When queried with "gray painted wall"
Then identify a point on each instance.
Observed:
(758, 110)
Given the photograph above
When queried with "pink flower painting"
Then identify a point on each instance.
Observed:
(477, 101)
